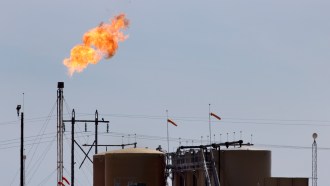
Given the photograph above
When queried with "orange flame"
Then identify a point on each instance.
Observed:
(99, 42)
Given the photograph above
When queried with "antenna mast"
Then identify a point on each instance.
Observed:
(314, 161)
(60, 86)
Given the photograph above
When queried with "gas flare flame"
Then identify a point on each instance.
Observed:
(100, 42)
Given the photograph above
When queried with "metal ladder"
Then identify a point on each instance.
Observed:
(213, 169)
(205, 170)
(215, 173)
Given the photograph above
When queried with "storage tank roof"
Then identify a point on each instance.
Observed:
(134, 151)
(244, 148)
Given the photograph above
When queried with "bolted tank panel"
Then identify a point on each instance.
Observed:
(99, 170)
(282, 181)
(135, 167)
(244, 167)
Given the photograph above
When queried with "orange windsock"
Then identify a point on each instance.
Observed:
(98, 42)
(214, 115)
(172, 122)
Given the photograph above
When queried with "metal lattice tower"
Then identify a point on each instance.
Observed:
(60, 131)
(314, 161)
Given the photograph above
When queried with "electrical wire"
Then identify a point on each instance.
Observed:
(40, 160)
(14, 178)
(86, 177)
(25, 137)
(68, 109)
(34, 144)
(224, 120)
(33, 139)
(161, 138)
(35, 120)
(41, 142)
(46, 179)
(229, 120)
(172, 139)
(290, 147)
(41, 132)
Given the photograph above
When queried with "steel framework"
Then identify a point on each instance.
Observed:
(199, 158)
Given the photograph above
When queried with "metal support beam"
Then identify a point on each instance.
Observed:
(86, 155)
(122, 145)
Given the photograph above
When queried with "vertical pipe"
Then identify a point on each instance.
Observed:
(60, 87)
(22, 149)
(61, 135)
(57, 135)
(73, 120)
(96, 126)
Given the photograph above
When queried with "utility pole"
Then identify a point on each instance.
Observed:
(22, 149)
(22, 145)
(73, 141)
(72, 146)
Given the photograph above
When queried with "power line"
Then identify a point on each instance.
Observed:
(225, 120)
(231, 120)
(162, 138)
(291, 147)
(36, 166)
(46, 179)
(34, 120)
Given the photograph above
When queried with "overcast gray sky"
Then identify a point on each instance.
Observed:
(263, 65)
